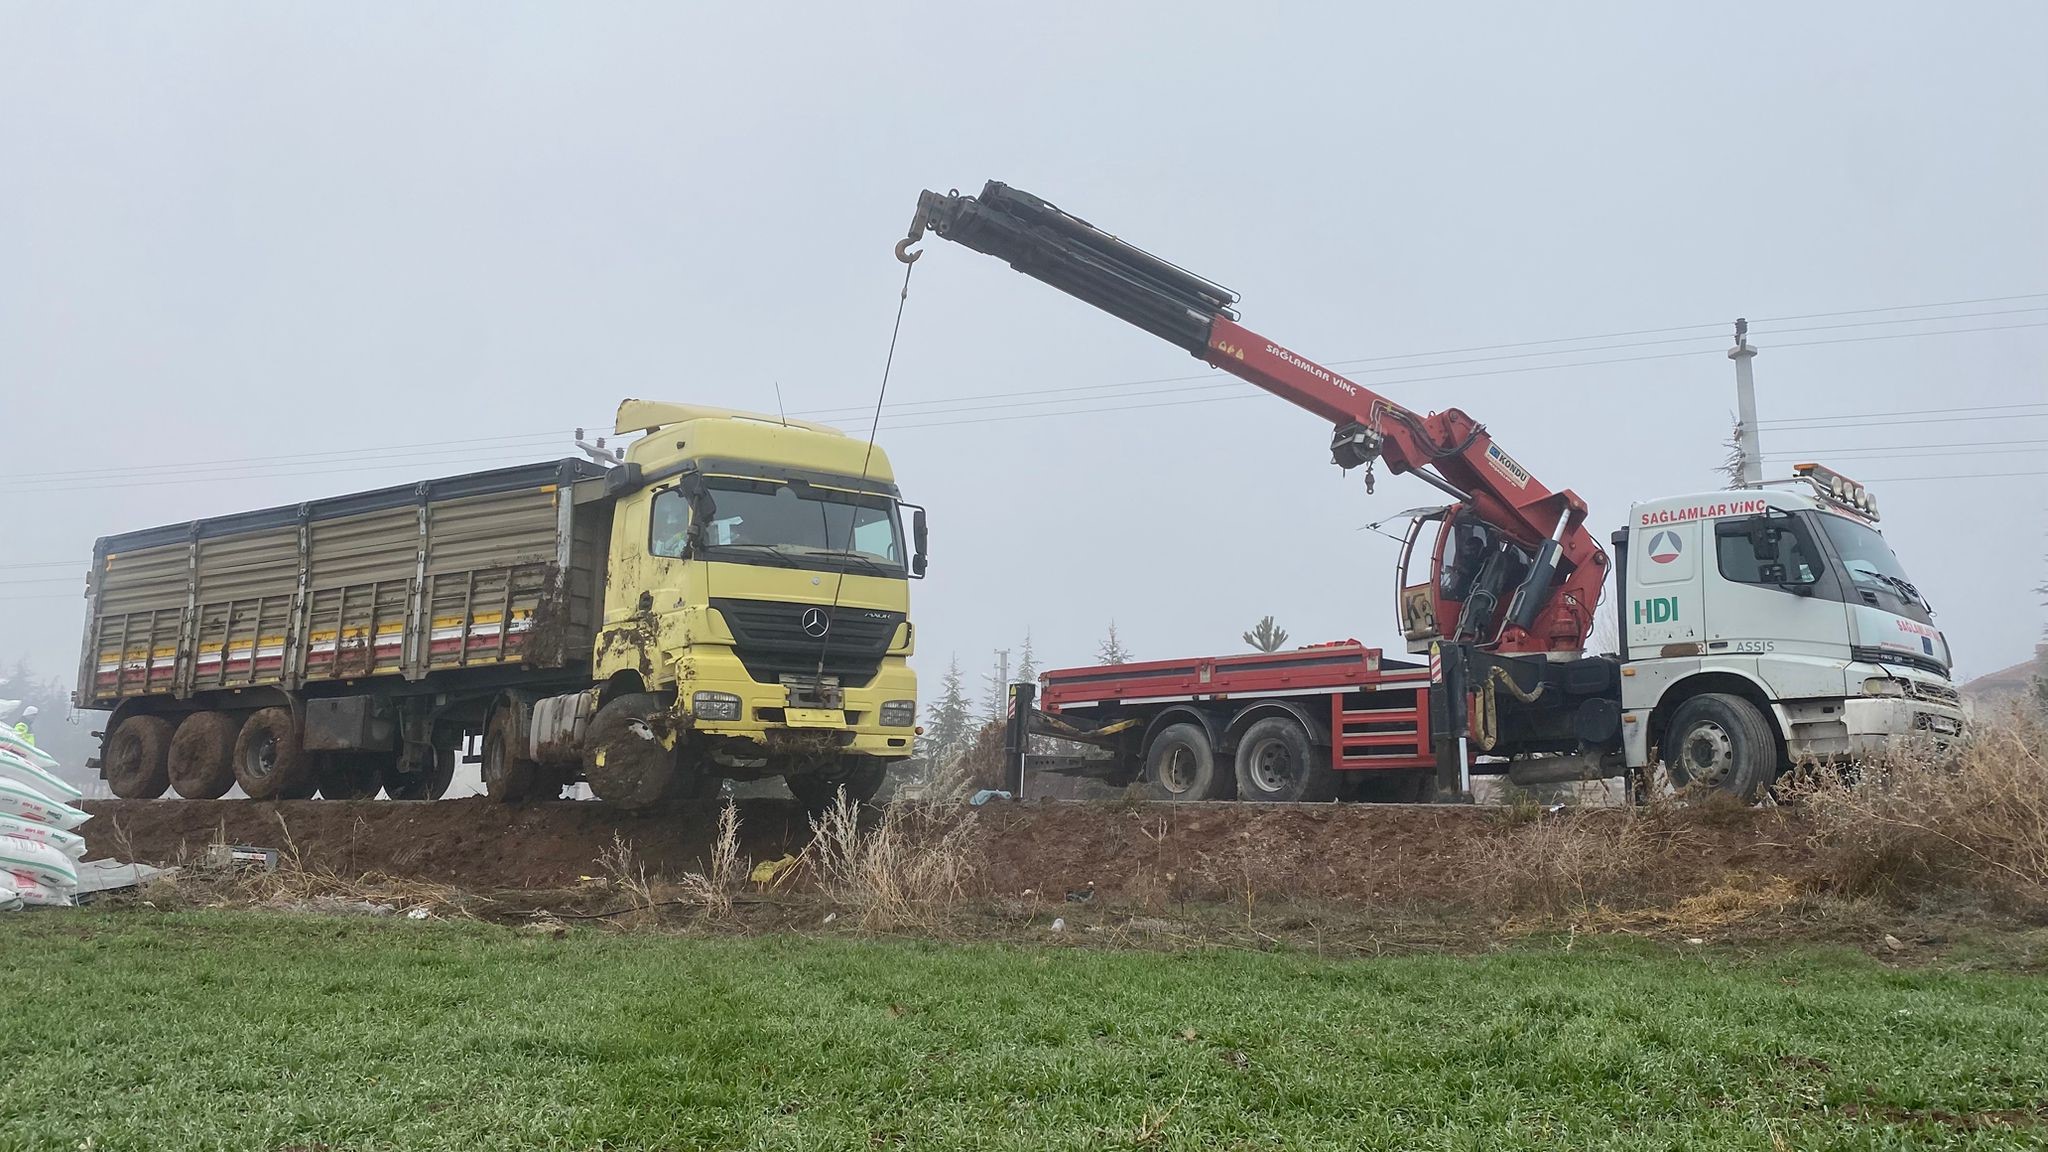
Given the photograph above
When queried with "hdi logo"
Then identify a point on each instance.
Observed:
(1656, 610)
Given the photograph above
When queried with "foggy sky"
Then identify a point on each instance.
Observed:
(236, 231)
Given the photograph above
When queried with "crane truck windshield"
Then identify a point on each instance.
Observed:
(1871, 562)
(793, 526)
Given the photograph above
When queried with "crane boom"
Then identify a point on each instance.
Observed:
(1505, 535)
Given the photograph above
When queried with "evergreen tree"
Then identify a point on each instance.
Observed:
(949, 716)
(1027, 663)
(1112, 650)
(1265, 636)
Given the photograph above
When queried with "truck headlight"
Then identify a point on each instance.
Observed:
(899, 713)
(1883, 686)
(715, 706)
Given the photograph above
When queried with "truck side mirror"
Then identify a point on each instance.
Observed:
(920, 535)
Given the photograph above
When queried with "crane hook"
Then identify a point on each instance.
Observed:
(903, 252)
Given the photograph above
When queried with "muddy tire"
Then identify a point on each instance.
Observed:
(138, 758)
(269, 762)
(429, 785)
(1278, 763)
(202, 762)
(354, 775)
(1180, 764)
(509, 777)
(860, 776)
(1723, 742)
(625, 759)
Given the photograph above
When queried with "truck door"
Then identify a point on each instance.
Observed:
(1771, 597)
(1662, 602)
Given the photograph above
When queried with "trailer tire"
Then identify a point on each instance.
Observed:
(624, 760)
(270, 764)
(1180, 764)
(202, 761)
(429, 785)
(509, 777)
(353, 775)
(1720, 741)
(861, 776)
(1278, 763)
(138, 758)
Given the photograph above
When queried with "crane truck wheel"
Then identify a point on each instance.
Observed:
(629, 754)
(1277, 762)
(269, 763)
(509, 777)
(1720, 741)
(351, 775)
(202, 762)
(138, 758)
(860, 776)
(430, 784)
(1180, 764)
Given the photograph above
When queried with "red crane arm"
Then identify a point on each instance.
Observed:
(1547, 558)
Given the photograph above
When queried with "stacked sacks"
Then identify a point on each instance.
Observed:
(38, 850)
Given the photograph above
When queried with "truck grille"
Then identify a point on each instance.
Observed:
(770, 638)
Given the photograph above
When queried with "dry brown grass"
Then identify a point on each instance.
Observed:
(909, 869)
(297, 884)
(1974, 821)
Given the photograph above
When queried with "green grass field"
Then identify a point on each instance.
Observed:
(137, 1030)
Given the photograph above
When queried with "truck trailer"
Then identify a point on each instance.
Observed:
(729, 600)
(1761, 627)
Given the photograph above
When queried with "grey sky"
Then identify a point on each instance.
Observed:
(234, 231)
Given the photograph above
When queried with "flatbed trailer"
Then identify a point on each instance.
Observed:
(1191, 728)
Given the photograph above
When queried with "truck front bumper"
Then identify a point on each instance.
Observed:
(767, 718)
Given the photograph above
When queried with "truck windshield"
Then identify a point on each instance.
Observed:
(754, 521)
(1870, 560)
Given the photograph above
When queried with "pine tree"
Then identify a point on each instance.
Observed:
(1265, 636)
(1027, 663)
(1112, 650)
(949, 716)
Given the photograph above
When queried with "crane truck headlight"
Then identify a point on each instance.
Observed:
(899, 713)
(1883, 686)
(715, 706)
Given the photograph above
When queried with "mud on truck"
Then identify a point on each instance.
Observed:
(730, 600)
(1761, 627)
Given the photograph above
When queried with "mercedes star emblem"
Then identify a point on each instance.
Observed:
(816, 623)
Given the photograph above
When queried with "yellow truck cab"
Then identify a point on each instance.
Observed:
(757, 587)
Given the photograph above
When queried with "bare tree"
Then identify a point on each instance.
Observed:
(1266, 636)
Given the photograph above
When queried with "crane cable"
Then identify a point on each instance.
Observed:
(874, 425)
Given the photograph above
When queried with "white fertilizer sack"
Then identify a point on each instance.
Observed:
(20, 800)
(69, 843)
(42, 895)
(28, 860)
(18, 767)
(12, 741)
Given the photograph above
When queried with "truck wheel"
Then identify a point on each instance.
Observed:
(353, 775)
(1180, 764)
(431, 784)
(138, 758)
(269, 764)
(202, 761)
(509, 777)
(1278, 763)
(1720, 741)
(861, 776)
(624, 760)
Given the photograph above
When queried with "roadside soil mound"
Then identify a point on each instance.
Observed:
(1385, 856)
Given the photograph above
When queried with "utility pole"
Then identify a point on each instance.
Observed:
(1750, 473)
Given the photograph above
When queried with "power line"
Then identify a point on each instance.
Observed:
(1889, 447)
(1905, 412)
(1951, 476)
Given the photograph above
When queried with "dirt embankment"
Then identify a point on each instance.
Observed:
(1360, 854)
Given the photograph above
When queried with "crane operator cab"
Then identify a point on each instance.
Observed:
(1476, 572)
